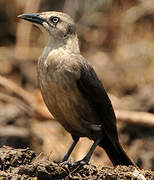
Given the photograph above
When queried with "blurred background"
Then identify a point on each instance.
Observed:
(117, 38)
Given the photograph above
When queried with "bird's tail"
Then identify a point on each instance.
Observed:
(116, 153)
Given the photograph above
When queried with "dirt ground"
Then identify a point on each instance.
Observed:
(16, 164)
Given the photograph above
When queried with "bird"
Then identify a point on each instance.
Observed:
(72, 91)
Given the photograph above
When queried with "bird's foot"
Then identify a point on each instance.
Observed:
(81, 162)
(65, 161)
(62, 161)
(75, 163)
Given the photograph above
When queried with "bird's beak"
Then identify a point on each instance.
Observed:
(34, 17)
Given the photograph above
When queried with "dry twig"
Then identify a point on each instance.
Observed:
(135, 117)
(29, 99)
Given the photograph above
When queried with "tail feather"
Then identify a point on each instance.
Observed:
(116, 153)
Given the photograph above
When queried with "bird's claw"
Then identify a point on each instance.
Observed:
(81, 162)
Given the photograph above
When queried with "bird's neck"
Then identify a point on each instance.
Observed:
(70, 45)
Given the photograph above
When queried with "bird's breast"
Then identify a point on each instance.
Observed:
(63, 98)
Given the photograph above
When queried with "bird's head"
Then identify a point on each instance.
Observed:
(58, 25)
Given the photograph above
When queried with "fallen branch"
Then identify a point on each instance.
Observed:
(135, 117)
(27, 98)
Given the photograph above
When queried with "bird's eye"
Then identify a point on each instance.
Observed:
(55, 19)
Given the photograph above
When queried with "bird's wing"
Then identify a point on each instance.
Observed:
(92, 89)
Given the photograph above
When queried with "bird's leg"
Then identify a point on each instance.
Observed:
(86, 159)
(70, 149)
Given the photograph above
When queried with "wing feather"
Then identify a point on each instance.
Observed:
(92, 89)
